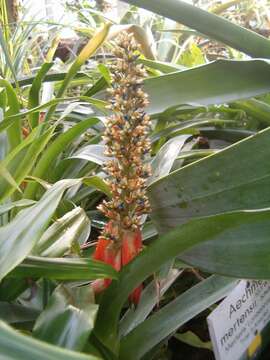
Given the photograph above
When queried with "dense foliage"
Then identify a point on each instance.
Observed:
(208, 191)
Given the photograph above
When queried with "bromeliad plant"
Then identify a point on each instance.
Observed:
(127, 143)
(208, 192)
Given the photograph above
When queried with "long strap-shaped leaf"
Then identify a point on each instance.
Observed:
(34, 92)
(63, 269)
(68, 318)
(90, 48)
(22, 165)
(19, 237)
(235, 178)
(59, 76)
(248, 230)
(9, 120)
(219, 82)
(209, 24)
(56, 240)
(167, 320)
(215, 83)
(14, 132)
(16, 346)
(149, 299)
(56, 147)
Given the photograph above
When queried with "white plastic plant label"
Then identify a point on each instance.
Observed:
(240, 326)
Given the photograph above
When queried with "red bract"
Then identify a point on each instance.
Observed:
(107, 252)
(131, 246)
(135, 296)
(110, 252)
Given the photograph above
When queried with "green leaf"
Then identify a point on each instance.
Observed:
(167, 320)
(73, 227)
(105, 72)
(52, 48)
(15, 346)
(193, 340)
(54, 150)
(68, 318)
(34, 92)
(149, 230)
(215, 83)
(167, 46)
(14, 132)
(5, 174)
(183, 125)
(243, 238)
(220, 8)
(209, 24)
(150, 297)
(195, 154)
(6, 53)
(99, 85)
(99, 184)
(63, 269)
(19, 236)
(228, 135)
(193, 56)
(164, 67)
(163, 161)
(94, 153)
(15, 314)
(232, 179)
(22, 165)
(23, 144)
(59, 76)
(255, 108)
(15, 205)
(9, 120)
(89, 49)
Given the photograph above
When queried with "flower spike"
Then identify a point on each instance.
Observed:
(128, 144)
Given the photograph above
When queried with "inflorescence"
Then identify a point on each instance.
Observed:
(126, 139)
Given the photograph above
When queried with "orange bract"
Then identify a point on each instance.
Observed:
(116, 255)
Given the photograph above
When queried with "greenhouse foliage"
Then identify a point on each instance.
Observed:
(206, 74)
